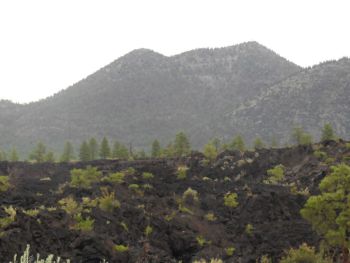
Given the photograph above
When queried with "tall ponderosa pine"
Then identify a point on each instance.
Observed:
(182, 145)
(105, 150)
(258, 144)
(156, 150)
(68, 152)
(93, 146)
(14, 156)
(329, 212)
(327, 133)
(120, 151)
(237, 144)
(39, 153)
(84, 152)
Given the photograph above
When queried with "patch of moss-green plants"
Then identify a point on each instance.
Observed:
(121, 248)
(107, 202)
(84, 178)
(181, 173)
(229, 251)
(147, 176)
(4, 183)
(275, 175)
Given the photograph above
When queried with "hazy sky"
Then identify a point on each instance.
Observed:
(47, 45)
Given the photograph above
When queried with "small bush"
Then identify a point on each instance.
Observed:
(347, 145)
(121, 248)
(4, 222)
(134, 187)
(4, 183)
(275, 175)
(84, 225)
(108, 202)
(31, 212)
(213, 260)
(229, 251)
(182, 172)
(147, 186)
(249, 229)
(124, 226)
(320, 155)
(116, 178)
(230, 200)
(130, 171)
(148, 231)
(69, 205)
(210, 217)
(84, 178)
(304, 254)
(190, 196)
(329, 161)
(201, 241)
(147, 176)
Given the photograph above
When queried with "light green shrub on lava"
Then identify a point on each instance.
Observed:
(201, 241)
(275, 175)
(210, 217)
(304, 254)
(190, 196)
(4, 222)
(134, 187)
(230, 200)
(121, 248)
(347, 145)
(249, 229)
(83, 224)
(148, 231)
(4, 183)
(147, 176)
(108, 202)
(117, 177)
(229, 251)
(213, 260)
(320, 155)
(181, 172)
(84, 178)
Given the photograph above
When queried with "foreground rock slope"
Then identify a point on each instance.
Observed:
(155, 221)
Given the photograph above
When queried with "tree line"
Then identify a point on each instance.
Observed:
(92, 149)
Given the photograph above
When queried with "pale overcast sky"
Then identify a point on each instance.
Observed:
(47, 45)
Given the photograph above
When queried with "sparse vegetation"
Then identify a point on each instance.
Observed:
(84, 178)
(304, 254)
(275, 175)
(4, 183)
(182, 172)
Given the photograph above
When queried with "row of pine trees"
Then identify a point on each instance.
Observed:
(92, 150)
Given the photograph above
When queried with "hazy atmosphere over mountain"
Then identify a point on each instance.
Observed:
(144, 95)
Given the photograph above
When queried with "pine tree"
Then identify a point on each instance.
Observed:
(93, 149)
(237, 144)
(327, 133)
(210, 151)
(105, 150)
(181, 145)
(329, 211)
(14, 156)
(301, 137)
(68, 153)
(156, 150)
(39, 153)
(84, 152)
(120, 151)
(50, 157)
(258, 144)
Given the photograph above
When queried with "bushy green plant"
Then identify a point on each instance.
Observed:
(4, 183)
(249, 229)
(320, 154)
(84, 178)
(121, 248)
(210, 217)
(108, 202)
(31, 212)
(134, 187)
(201, 241)
(182, 172)
(147, 176)
(329, 160)
(190, 196)
(4, 222)
(148, 231)
(83, 224)
(117, 177)
(230, 200)
(275, 175)
(69, 205)
(304, 254)
(347, 145)
(229, 251)
(213, 260)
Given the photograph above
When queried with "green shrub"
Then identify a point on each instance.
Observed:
(329, 161)
(347, 145)
(210, 217)
(130, 171)
(147, 176)
(147, 186)
(304, 254)
(230, 200)
(121, 248)
(4, 222)
(31, 212)
(83, 224)
(117, 178)
(190, 196)
(249, 229)
(213, 260)
(275, 175)
(108, 202)
(320, 154)
(201, 241)
(182, 172)
(148, 231)
(84, 178)
(4, 183)
(69, 205)
(229, 251)
(134, 187)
